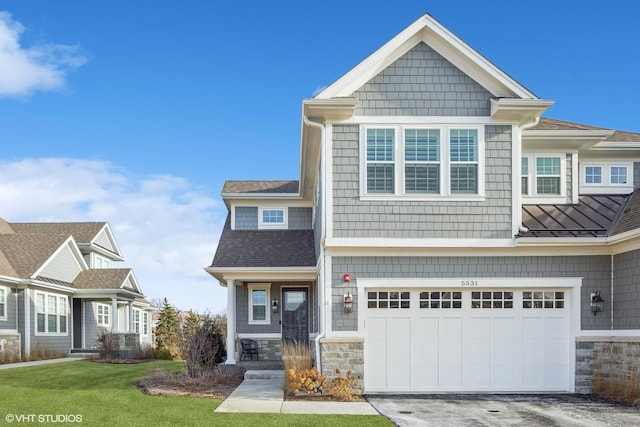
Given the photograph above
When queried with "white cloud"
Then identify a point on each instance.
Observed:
(25, 70)
(166, 229)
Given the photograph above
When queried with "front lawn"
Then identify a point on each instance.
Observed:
(96, 394)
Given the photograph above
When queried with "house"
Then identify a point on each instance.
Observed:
(59, 289)
(443, 235)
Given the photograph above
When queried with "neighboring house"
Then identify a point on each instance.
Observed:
(442, 236)
(58, 288)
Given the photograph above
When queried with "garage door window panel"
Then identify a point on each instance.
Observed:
(542, 299)
(388, 299)
(492, 299)
(441, 299)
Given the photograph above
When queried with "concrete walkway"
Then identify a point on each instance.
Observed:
(263, 391)
(41, 362)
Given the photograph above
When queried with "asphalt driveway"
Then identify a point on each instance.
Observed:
(452, 410)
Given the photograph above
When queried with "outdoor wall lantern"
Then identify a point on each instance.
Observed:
(597, 303)
(348, 303)
(274, 306)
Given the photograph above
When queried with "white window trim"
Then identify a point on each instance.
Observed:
(46, 314)
(533, 196)
(606, 187)
(105, 262)
(3, 300)
(108, 308)
(255, 287)
(143, 319)
(445, 163)
(273, 226)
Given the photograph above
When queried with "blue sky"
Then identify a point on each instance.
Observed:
(135, 112)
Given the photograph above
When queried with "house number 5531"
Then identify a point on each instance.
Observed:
(469, 283)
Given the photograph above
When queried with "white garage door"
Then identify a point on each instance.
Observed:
(424, 340)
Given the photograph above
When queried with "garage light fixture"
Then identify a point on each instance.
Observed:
(348, 303)
(597, 303)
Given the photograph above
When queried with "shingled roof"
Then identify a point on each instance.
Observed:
(108, 278)
(554, 124)
(82, 232)
(264, 187)
(24, 254)
(264, 248)
(630, 217)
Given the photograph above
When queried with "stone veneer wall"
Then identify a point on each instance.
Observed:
(345, 354)
(11, 347)
(599, 360)
(268, 350)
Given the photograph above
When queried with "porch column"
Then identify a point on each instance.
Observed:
(130, 316)
(231, 322)
(114, 314)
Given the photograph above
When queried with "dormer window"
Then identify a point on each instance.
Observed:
(101, 262)
(543, 178)
(606, 177)
(275, 218)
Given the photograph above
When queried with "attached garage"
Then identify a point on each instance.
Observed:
(475, 337)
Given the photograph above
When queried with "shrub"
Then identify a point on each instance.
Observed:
(108, 344)
(202, 347)
(296, 355)
(310, 381)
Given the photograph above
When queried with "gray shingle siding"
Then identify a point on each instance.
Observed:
(636, 174)
(300, 218)
(595, 270)
(422, 83)
(626, 296)
(11, 301)
(414, 219)
(246, 218)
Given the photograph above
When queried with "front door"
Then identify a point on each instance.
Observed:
(295, 318)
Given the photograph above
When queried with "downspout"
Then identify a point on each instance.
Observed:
(521, 227)
(611, 294)
(321, 313)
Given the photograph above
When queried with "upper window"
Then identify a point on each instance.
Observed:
(606, 177)
(3, 303)
(258, 303)
(101, 262)
(543, 176)
(103, 316)
(422, 162)
(548, 176)
(272, 218)
(51, 314)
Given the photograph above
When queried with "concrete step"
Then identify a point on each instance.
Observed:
(267, 374)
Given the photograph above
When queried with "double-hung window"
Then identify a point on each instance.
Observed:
(259, 303)
(464, 161)
(136, 321)
(51, 314)
(548, 175)
(524, 176)
(145, 324)
(380, 161)
(422, 161)
(3, 303)
(103, 315)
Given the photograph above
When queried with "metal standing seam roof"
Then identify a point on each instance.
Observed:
(264, 248)
(592, 216)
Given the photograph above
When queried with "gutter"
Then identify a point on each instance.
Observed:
(322, 311)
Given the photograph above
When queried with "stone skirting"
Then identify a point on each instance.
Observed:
(604, 362)
(9, 346)
(270, 349)
(344, 354)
